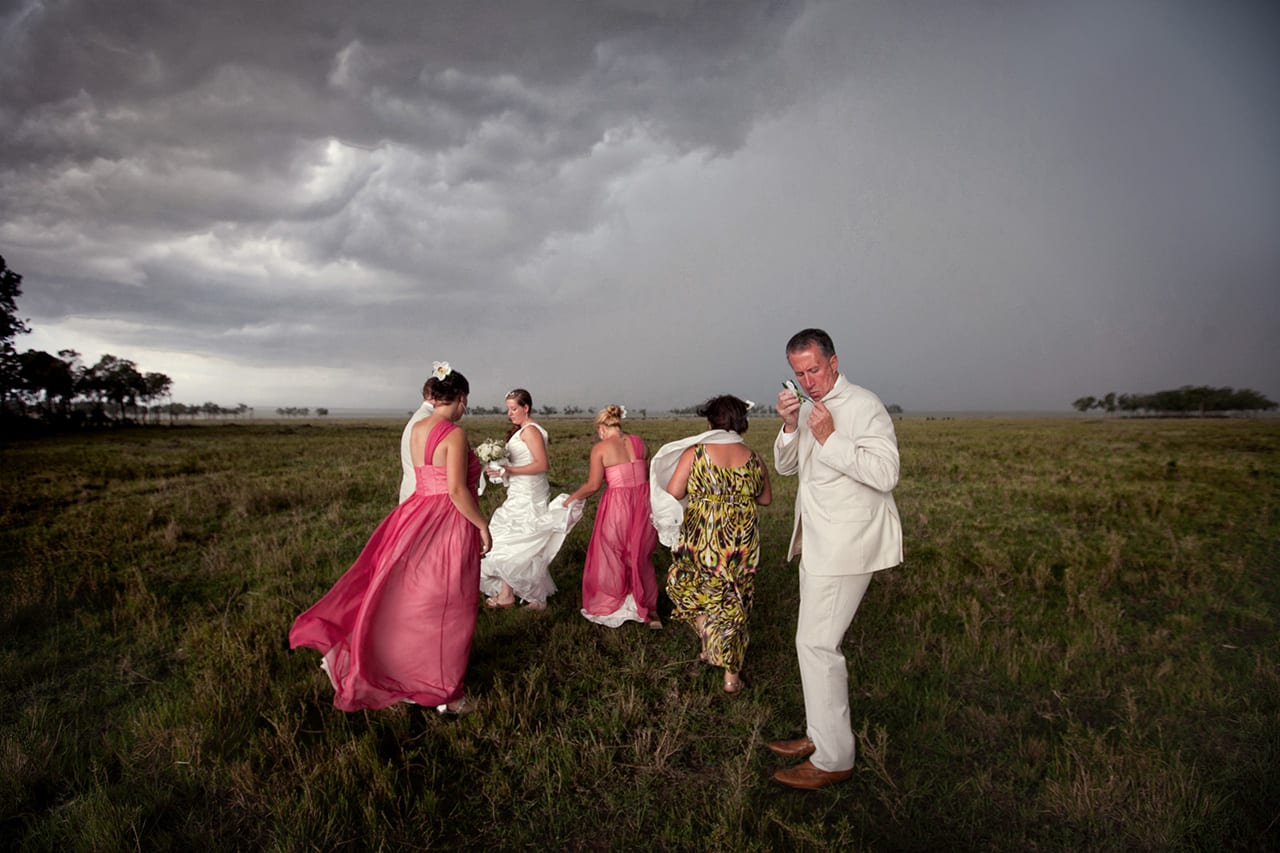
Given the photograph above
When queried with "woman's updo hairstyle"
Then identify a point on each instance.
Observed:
(725, 412)
(448, 389)
(610, 416)
(522, 397)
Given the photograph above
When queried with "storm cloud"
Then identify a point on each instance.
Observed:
(988, 205)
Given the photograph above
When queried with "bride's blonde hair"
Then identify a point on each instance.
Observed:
(610, 416)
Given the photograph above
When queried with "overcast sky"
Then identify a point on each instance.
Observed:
(989, 205)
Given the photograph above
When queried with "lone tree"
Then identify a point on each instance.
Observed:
(155, 386)
(117, 381)
(10, 290)
(50, 381)
(10, 326)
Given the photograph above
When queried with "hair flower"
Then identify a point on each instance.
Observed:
(440, 369)
(623, 410)
(750, 405)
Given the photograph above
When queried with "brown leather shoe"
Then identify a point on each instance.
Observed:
(809, 778)
(801, 747)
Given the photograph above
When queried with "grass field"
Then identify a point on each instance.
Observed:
(1082, 651)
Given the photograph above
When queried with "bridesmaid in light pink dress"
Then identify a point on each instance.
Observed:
(618, 581)
(397, 626)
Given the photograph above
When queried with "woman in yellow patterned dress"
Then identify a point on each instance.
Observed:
(713, 574)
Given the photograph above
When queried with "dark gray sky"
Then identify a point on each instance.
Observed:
(989, 205)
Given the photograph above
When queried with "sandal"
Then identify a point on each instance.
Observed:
(732, 682)
(535, 605)
(465, 705)
(494, 603)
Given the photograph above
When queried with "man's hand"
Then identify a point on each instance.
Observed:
(820, 422)
(788, 408)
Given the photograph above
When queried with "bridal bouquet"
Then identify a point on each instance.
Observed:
(490, 451)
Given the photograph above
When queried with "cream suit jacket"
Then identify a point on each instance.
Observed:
(846, 521)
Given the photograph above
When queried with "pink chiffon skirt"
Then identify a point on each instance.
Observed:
(397, 626)
(618, 581)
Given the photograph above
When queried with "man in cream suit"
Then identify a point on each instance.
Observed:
(840, 440)
(408, 479)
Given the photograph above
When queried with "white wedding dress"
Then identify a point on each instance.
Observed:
(527, 530)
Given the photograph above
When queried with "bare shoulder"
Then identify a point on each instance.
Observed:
(612, 449)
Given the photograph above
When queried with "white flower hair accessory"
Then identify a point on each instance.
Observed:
(440, 369)
(622, 409)
(750, 405)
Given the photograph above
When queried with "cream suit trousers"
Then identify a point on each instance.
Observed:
(827, 605)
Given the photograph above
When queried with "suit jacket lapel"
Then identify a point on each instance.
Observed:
(810, 447)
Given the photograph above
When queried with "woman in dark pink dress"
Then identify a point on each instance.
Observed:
(618, 581)
(397, 626)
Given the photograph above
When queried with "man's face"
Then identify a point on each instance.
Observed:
(814, 373)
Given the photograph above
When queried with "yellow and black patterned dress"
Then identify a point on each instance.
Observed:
(715, 561)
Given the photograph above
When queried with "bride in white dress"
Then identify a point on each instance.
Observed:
(527, 529)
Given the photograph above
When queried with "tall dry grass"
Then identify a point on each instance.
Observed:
(1081, 652)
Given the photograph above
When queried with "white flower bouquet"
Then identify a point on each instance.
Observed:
(490, 452)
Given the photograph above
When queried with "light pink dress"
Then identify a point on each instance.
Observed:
(397, 625)
(618, 582)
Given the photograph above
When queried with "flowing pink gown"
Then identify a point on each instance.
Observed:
(618, 582)
(397, 625)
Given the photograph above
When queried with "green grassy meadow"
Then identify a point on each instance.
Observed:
(1082, 651)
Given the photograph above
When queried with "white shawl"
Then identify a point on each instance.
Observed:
(668, 512)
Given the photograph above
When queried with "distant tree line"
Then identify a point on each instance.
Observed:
(40, 387)
(1197, 400)
(754, 409)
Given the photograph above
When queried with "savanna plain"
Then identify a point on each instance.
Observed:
(1081, 652)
